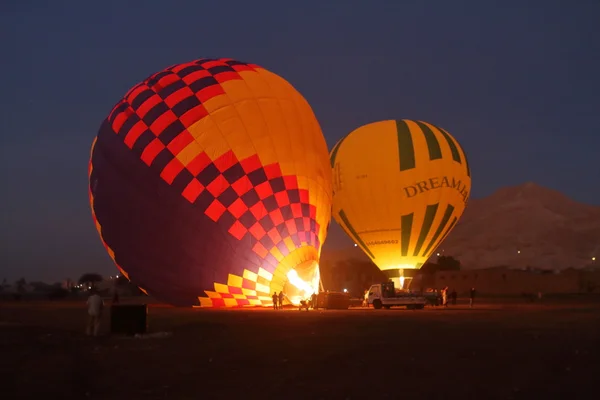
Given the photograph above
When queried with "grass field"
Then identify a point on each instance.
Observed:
(493, 351)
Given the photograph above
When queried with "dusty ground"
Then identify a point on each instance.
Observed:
(494, 351)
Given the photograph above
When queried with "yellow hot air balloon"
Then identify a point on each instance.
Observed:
(399, 189)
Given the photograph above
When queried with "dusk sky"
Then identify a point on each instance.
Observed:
(516, 82)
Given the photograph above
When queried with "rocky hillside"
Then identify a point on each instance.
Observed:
(521, 226)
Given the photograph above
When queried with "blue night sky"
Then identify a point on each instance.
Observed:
(516, 82)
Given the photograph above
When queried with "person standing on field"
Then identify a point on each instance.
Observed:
(445, 296)
(95, 306)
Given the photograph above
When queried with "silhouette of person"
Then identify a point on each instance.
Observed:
(472, 297)
(313, 301)
(281, 299)
(275, 298)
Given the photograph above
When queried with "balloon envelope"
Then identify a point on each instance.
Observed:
(399, 189)
(210, 185)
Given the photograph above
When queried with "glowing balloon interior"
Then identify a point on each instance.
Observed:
(399, 189)
(210, 185)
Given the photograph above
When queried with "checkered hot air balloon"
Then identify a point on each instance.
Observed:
(210, 185)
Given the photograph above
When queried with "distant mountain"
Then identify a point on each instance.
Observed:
(526, 225)
(520, 226)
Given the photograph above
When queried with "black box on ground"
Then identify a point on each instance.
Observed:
(128, 319)
(333, 300)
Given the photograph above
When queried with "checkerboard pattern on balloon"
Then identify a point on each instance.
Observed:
(243, 196)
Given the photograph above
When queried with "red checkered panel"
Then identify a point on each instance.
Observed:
(242, 196)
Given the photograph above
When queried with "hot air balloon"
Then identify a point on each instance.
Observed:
(210, 186)
(399, 189)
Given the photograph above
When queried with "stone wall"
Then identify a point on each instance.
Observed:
(504, 281)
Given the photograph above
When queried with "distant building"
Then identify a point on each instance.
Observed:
(67, 284)
(14, 288)
(505, 281)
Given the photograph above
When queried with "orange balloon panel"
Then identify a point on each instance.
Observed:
(210, 182)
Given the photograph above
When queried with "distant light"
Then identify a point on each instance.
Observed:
(345, 290)
(355, 245)
(518, 251)
(593, 258)
(116, 276)
(89, 287)
(438, 254)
